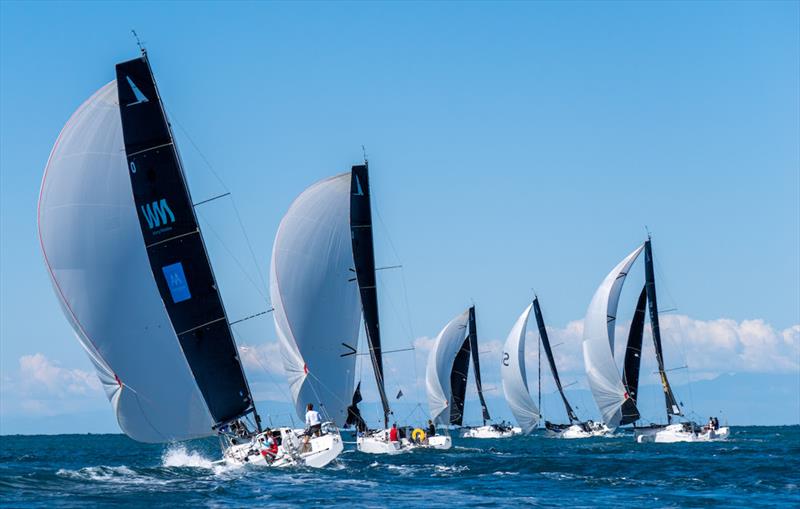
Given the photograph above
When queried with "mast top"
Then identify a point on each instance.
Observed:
(648, 231)
(364, 153)
(139, 43)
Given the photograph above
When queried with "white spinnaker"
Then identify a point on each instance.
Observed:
(598, 343)
(95, 254)
(515, 381)
(316, 299)
(440, 365)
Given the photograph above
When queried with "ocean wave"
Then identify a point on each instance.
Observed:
(178, 456)
(105, 474)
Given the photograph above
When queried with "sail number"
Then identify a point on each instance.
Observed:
(133, 167)
(505, 358)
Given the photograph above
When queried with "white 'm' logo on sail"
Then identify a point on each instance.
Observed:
(140, 98)
(359, 191)
(156, 213)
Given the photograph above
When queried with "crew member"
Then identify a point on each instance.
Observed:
(313, 424)
(431, 428)
(393, 433)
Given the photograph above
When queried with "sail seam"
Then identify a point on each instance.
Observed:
(149, 149)
(148, 246)
(201, 326)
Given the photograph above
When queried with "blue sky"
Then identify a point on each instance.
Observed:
(512, 147)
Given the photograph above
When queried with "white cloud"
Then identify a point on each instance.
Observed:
(39, 376)
(708, 347)
(42, 387)
(725, 345)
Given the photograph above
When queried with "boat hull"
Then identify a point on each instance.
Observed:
(490, 432)
(292, 452)
(674, 433)
(377, 442)
(442, 442)
(577, 431)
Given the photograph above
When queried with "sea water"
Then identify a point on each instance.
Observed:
(757, 466)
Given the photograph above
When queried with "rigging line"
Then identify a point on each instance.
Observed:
(405, 297)
(249, 244)
(240, 320)
(388, 296)
(340, 400)
(397, 257)
(410, 335)
(316, 395)
(680, 342)
(383, 352)
(249, 349)
(228, 191)
(209, 226)
(172, 119)
(413, 411)
(211, 199)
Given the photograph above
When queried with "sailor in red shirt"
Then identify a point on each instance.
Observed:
(393, 433)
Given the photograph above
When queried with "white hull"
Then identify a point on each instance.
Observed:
(441, 442)
(291, 453)
(577, 431)
(377, 442)
(680, 433)
(490, 432)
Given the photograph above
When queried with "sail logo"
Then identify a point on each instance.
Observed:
(359, 191)
(176, 282)
(157, 213)
(140, 97)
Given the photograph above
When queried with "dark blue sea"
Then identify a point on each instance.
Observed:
(757, 467)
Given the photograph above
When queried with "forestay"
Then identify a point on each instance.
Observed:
(440, 363)
(94, 251)
(598, 344)
(316, 300)
(515, 380)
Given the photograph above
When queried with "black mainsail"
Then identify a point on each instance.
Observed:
(633, 361)
(458, 383)
(175, 246)
(550, 359)
(364, 260)
(650, 285)
(460, 374)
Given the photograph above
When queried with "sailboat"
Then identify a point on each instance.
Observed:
(515, 378)
(317, 308)
(616, 396)
(129, 266)
(576, 428)
(447, 375)
(362, 273)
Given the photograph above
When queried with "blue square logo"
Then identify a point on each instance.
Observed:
(176, 281)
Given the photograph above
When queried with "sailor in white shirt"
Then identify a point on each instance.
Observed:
(313, 424)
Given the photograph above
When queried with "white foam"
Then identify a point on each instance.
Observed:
(117, 475)
(453, 468)
(178, 456)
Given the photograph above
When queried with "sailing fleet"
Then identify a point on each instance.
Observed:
(129, 265)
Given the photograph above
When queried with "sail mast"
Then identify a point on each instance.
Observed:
(650, 284)
(175, 247)
(364, 260)
(476, 363)
(545, 341)
(539, 372)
